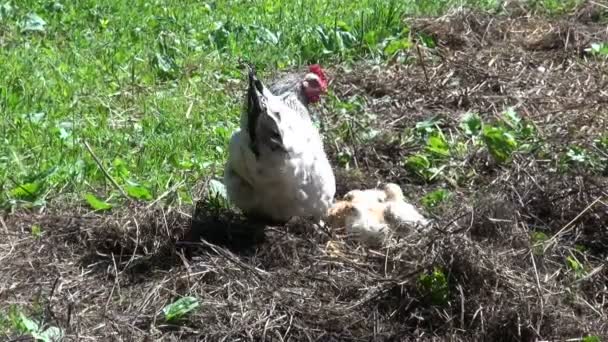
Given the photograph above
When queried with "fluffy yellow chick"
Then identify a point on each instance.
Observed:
(371, 215)
(356, 201)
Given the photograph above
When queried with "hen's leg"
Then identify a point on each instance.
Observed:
(319, 224)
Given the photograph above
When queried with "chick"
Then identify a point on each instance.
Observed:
(365, 221)
(373, 215)
(398, 214)
(353, 202)
(369, 195)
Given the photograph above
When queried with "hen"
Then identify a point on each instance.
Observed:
(277, 167)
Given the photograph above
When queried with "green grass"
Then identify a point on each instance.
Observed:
(152, 85)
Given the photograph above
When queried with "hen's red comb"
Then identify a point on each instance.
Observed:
(316, 69)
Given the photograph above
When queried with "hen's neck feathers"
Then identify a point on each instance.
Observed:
(289, 90)
(289, 86)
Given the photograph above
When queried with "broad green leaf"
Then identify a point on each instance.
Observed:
(96, 203)
(576, 154)
(218, 195)
(25, 324)
(602, 143)
(345, 158)
(599, 49)
(526, 131)
(139, 192)
(25, 191)
(52, 334)
(164, 63)
(35, 117)
(418, 162)
(371, 38)
(575, 266)
(180, 308)
(33, 22)
(512, 118)
(435, 285)
(471, 124)
(499, 142)
(427, 126)
(421, 165)
(436, 144)
(6, 10)
(57, 7)
(538, 237)
(427, 40)
(217, 188)
(343, 26)
(36, 230)
(434, 198)
(269, 36)
(120, 168)
(396, 46)
(591, 338)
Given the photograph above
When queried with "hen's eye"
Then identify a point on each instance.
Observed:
(313, 84)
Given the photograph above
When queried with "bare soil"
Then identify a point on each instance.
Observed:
(108, 276)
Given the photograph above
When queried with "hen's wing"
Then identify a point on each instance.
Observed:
(285, 83)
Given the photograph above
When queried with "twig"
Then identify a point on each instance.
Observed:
(426, 77)
(540, 294)
(446, 226)
(163, 195)
(562, 231)
(10, 241)
(230, 257)
(598, 4)
(461, 306)
(189, 111)
(98, 162)
(49, 307)
(69, 314)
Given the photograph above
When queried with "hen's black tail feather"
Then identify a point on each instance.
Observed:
(254, 105)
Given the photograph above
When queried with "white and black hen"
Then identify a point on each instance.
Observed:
(277, 167)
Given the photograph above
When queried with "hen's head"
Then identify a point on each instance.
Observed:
(314, 83)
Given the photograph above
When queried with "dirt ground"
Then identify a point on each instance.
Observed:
(107, 277)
